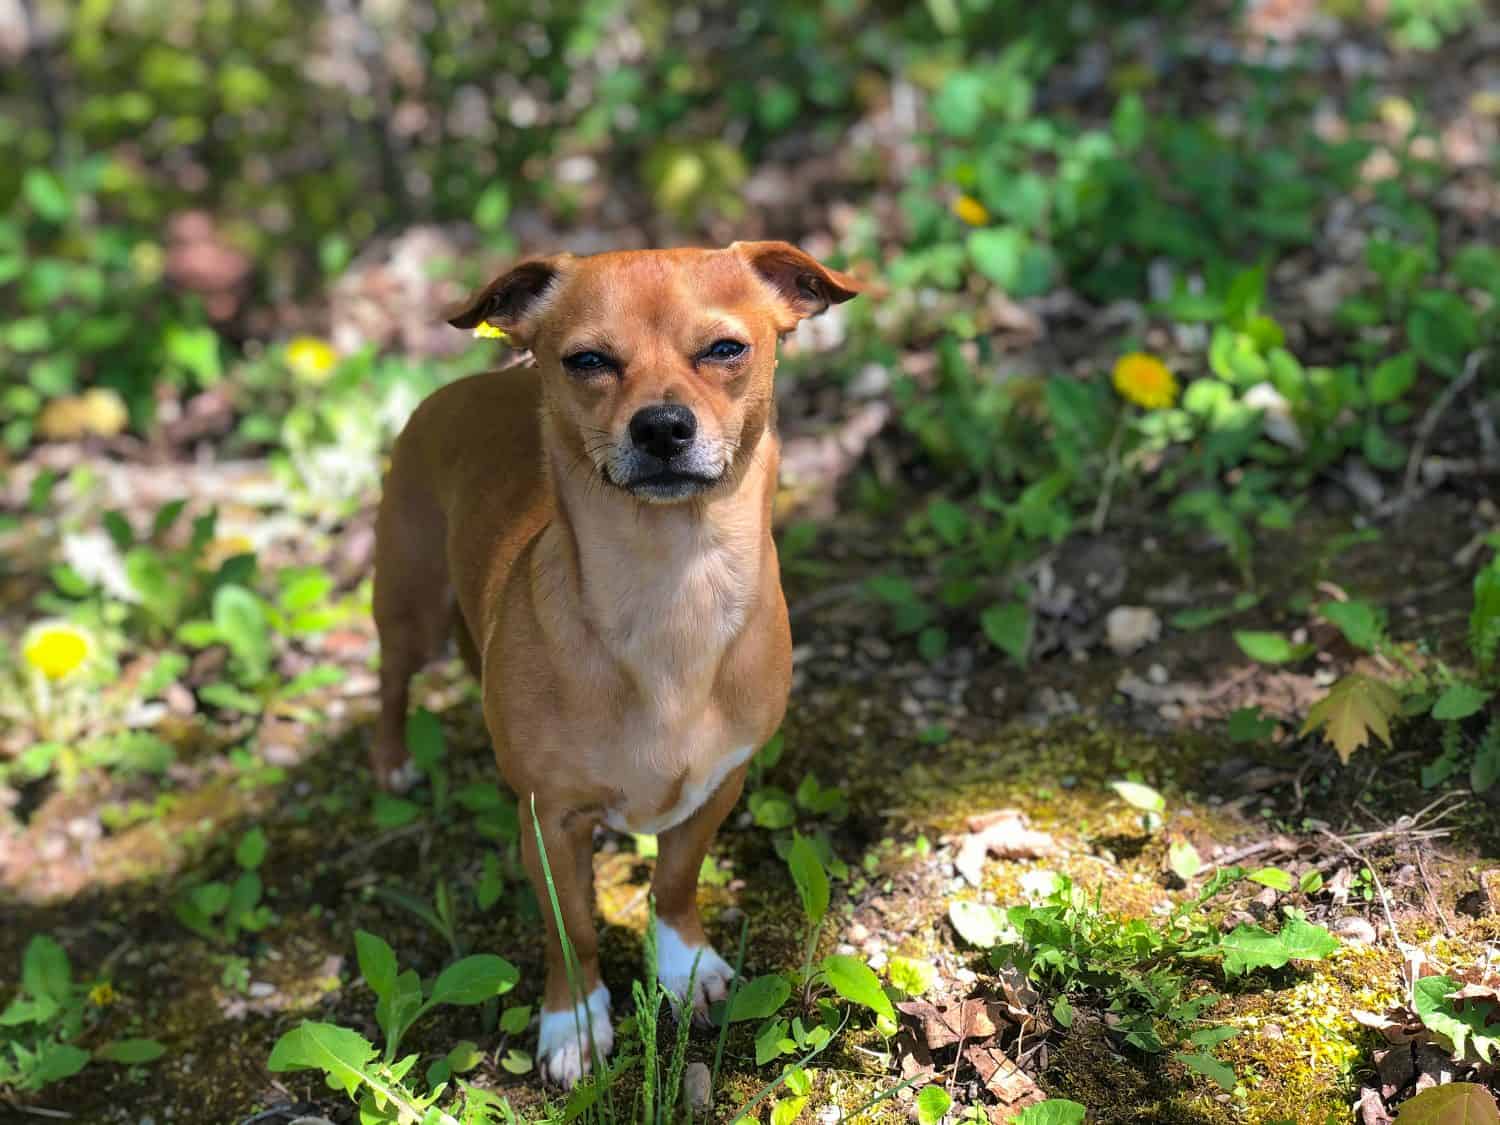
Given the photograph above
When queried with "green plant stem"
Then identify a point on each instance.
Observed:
(734, 987)
(769, 1089)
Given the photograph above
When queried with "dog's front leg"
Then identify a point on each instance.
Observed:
(575, 1028)
(683, 954)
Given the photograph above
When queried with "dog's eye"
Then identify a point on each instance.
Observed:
(585, 361)
(725, 349)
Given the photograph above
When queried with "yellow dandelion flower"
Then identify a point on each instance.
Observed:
(484, 330)
(970, 210)
(56, 649)
(311, 360)
(1145, 381)
(102, 995)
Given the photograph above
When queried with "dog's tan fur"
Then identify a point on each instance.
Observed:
(631, 649)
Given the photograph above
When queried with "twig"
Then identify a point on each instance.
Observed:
(1432, 899)
(39, 1111)
(1411, 487)
(1385, 901)
(1275, 843)
(361, 850)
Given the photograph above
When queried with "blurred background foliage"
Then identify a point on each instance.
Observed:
(183, 167)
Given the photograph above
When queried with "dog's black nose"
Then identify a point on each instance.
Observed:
(664, 430)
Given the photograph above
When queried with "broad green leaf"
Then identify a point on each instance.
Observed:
(1053, 1111)
(1205, 1064)
(1247, 724)
(980, 925)
(343, 1055)
(1247, 947)
(1358, 621)
(787, 1110)
(47, 195)
(949, 521)
(1456, 1103)
(474, 980)
(240, 618)
(1468, 1024)
(932, 1104)
(491, 882)
(45, 972)
(810, 878)
(393, 812)
(771, 808)
(1269, 648)
(513, 1020)
(1459, 701)
(230, 698)
(1184, 860)
(1139, 796)
(856, 982)
(1354, 708)
(760, 998)
(424, 738)
(377, 962)
(251, 850)
(1273, 877)
(517, 1062)
(56, 1061)
(130, 1051)
(1393, 378)
(1008, 627)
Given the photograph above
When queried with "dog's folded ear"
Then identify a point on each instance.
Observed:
(512, 298)
(806, 286)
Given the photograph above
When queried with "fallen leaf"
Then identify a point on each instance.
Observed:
(1355, 708)
(1396, 1027)
(1002, 834)
(1017, 995)
(1007, 1083)
(969, 1021)
(1371, 1109)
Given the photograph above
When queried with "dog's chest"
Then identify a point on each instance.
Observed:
(676, 743)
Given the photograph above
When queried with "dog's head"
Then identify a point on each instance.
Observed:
(657, 365)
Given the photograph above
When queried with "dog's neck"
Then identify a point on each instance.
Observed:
(658, 583)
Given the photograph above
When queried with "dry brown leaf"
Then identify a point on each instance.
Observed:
(1396, 1026)
(1002, 833)
(1007, 1083)
(967, 1021)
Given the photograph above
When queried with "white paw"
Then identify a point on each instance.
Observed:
(563, 1046)
(677, 963)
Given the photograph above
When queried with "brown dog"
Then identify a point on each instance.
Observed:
(601, 521)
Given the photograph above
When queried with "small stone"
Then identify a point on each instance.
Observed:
(695, 1084)
(1272, 1031)
(260, 989)
(1170, 711)
(1356, 929)
(857, 933)
(876, 960)
(1128, 628)
(1157, 674)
